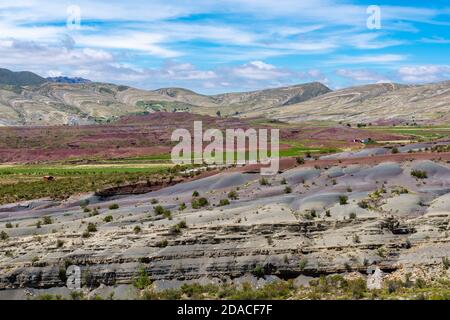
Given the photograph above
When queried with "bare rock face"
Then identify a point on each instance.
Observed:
(336, 220)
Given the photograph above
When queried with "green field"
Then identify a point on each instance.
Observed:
(19, 183)
(419, 133)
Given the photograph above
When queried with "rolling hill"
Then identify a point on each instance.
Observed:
(387, 102)
(27, 99)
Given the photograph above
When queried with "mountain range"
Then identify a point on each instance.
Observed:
(28, 99)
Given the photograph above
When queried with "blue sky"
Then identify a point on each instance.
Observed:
(220, 46)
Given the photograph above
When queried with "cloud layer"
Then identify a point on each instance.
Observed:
(215, 46)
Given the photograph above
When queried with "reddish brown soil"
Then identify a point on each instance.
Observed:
(150, 134)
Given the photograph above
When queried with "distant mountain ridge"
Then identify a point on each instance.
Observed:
(22, 78)
(27, 99)
(68, 80)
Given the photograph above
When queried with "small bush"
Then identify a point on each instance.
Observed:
(283, 181)
(258, 271)
(137, 230)
(162, 244)
(343, 200)
(47, 220)
(224, 202)
(419, 174)
(182, 207)
(176, 229)
(302, 264)
(352, 215)
(154, 201)
(199, 203)
(288, 190)
(59, 243)
(142, 281)
(159, 210)
(108, 219)
(9, 225)
(363, 204)
(300, 160)
(114, 206)
(195, 194)
(4, 236)
(395, 150)
(91, 227)
(233, 195)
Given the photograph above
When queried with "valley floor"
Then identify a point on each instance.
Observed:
(311, 232)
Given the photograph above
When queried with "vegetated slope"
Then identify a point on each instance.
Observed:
(375, 103)
(50, 103)
(23, 78)
(82, 103)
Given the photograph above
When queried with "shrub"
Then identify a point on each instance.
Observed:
(300, 160)
(195, 194)
(199, 203)
(59, 243)
(142, 281)
(9, 225)
(258, 271)
(47, 220)
(327, 213)
(283, 181)
(419, 174)
(233, 195)
(108, 219)
(363, 204)
(352, 215)
(182, 206)
(154, 201)
(343, 200)
(91, 227)
(176, 229)
(162, 244)
(302, 264)
(288, 190)
(4, 236)
(114, 206)
(159, 210)
(224, 202)
(85, 234)
(167, 214)
(137, 229)
(394, 150)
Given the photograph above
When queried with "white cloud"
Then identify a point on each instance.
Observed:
(359, 75)
(258, 70)
(424, 73)
(369, 59)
